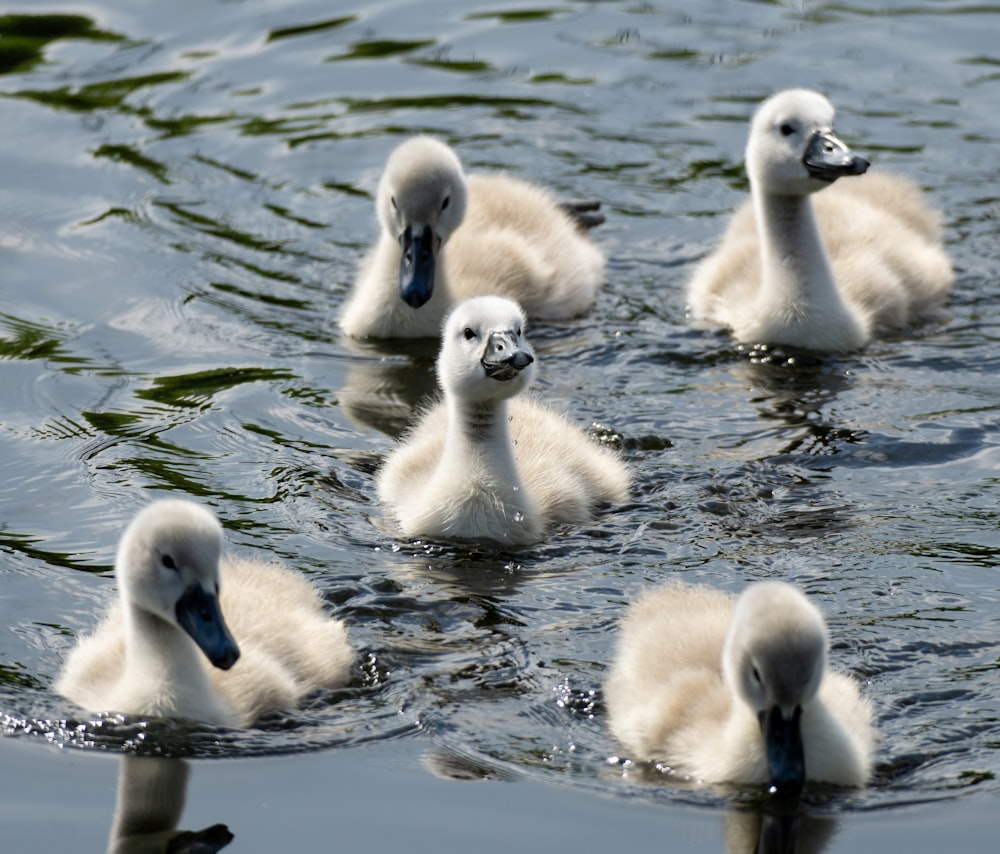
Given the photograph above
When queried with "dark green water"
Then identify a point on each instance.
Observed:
(187, 191)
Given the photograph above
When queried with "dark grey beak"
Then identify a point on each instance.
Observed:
(828, 158)
(504, 358)
(416, 268)
(786, 762)
(199, 615)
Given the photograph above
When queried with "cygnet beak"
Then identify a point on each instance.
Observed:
(786, 763)
(416, 267)
(198, 613)
(828, 158)
(504, 357)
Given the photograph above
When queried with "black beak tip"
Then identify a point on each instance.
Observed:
(227, 659)
(521, 360)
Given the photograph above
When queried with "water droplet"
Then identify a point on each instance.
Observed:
(519, 516)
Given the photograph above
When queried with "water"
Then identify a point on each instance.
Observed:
(187, 191)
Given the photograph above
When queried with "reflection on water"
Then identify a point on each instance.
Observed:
(387, 384)
(151, 796)
(777, 832)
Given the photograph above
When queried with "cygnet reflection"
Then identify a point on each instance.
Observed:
(151, 796)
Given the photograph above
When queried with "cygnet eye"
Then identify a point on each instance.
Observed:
(756, 675)
(168, 562)
(469, 333)
(517, 332)
(444, 204)
(787, 129)
(392, 201)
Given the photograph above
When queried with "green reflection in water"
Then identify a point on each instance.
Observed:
(28, 545)
(194, 390)
(17, 675)
(22, 339)
(208, 225)
(114, 423)
(466, 66)
(504, 106)
(516, 16)
(379, 49)
(128, 154)
(308, 29)
(561, 79)
(23, 38)
(265, 298)
(108, 95)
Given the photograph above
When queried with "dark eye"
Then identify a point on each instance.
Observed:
(392, 200)
(469, 333)
(168, 562)
(517, 332)
(756, 676)
(787, 129)
(444, 204)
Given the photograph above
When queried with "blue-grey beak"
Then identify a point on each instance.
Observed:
(828, 158)
(504, 358)
(416, 268)
(786, 761)
(198, 613)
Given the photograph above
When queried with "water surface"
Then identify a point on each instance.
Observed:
(188, 189)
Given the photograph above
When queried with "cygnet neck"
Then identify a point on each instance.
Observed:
(480, 425)
(794, 262)
(154, 647)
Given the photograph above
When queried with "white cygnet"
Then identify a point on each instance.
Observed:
(484, 464)
(446, 237)
(815, 264)
(192, 636)
(728, 690)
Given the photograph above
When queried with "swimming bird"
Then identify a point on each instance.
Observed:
(815, 264)
(166, 650)
(737, 690)
(445, 237)
(484, 463)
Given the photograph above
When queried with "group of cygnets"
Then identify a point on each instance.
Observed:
(721, 689)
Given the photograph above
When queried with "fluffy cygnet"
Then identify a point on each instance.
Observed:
(827, 270)
(165, 649)
(737, 690)
(484, 464)
(446, 237)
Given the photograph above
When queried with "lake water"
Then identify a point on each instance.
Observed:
(187, 190)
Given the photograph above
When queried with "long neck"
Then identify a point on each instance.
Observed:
(799, 302)
(479, 435)
(157, 650)
(795, 264)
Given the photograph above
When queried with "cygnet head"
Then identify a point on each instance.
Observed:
(484, 356)
(421, 200)
(793, 150)
(168, 566)
(774, 658)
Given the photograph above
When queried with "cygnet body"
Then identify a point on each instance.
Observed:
(815, 264)
(166, 650)
(728, 690)
(445, 237)
(484, 464)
